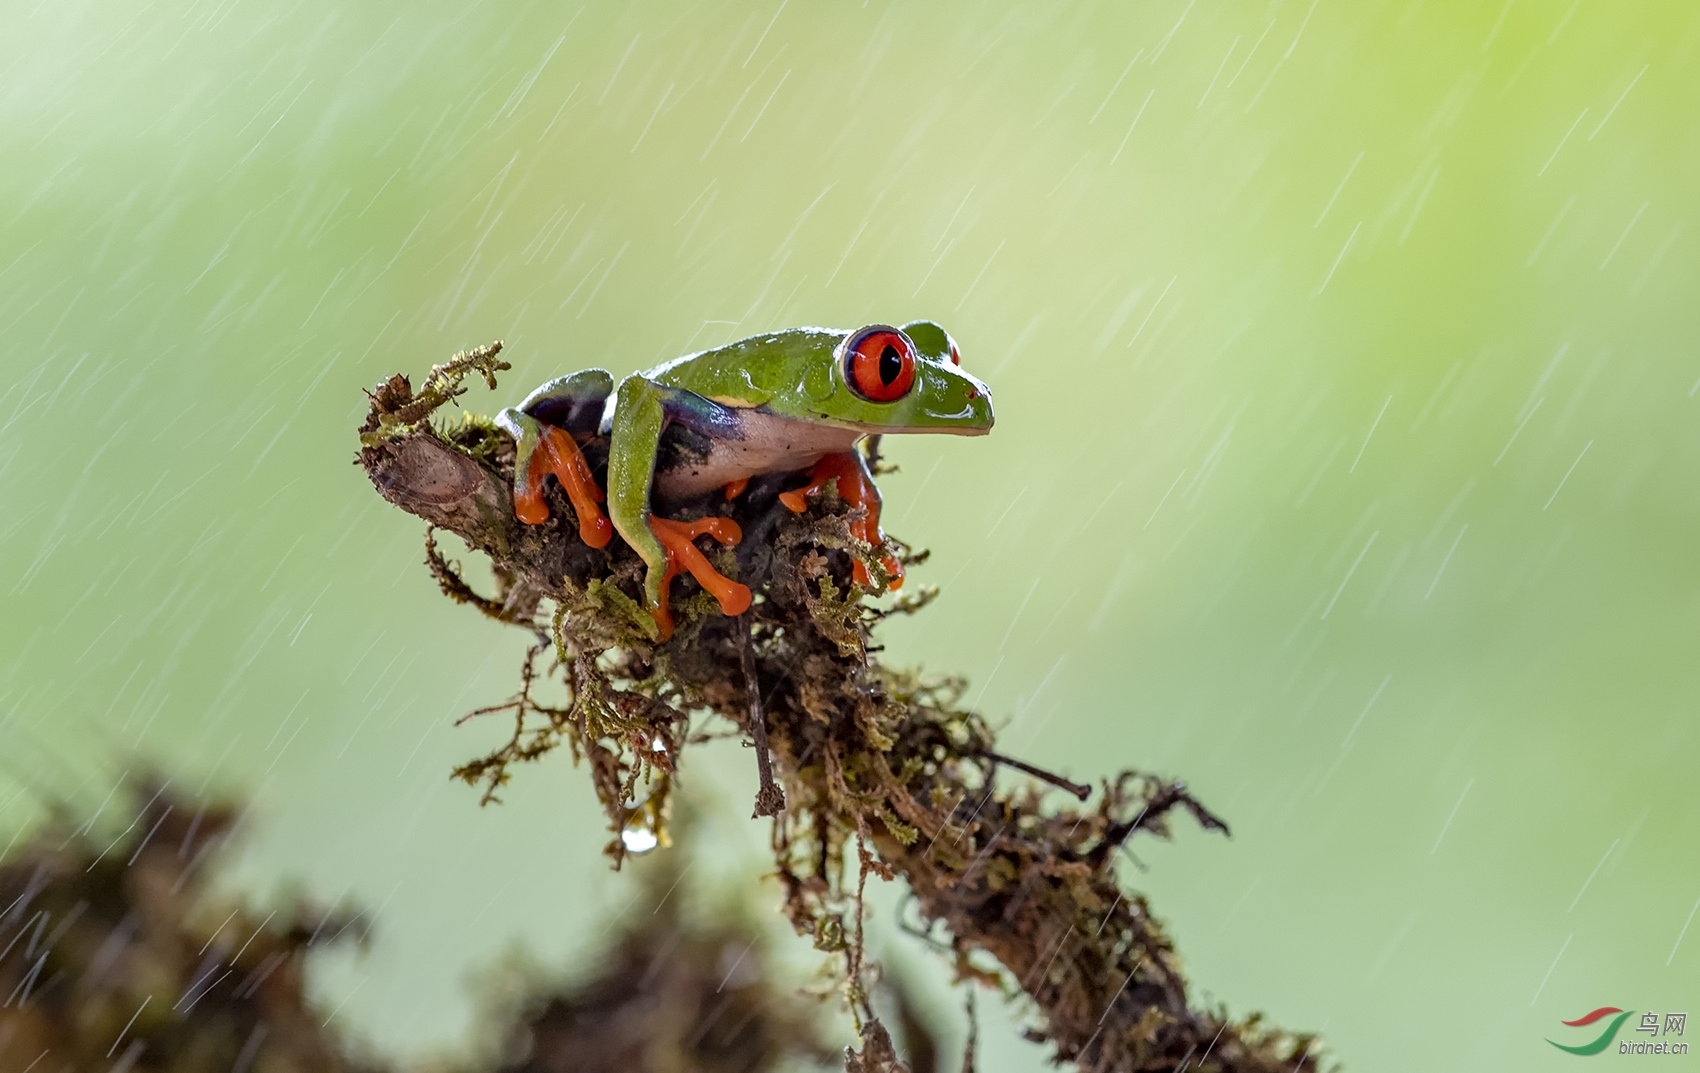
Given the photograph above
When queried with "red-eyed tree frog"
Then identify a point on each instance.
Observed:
(788, 402)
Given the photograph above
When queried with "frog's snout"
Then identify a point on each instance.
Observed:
(954, 403)
(981, 399)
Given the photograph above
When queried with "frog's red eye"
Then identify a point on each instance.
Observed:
(879, 363)
(955, 354)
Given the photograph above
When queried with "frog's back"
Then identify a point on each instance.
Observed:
(750, 371)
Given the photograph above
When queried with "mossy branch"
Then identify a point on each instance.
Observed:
(884, 760)
(397, 417)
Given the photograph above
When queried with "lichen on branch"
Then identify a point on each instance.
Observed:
(884, 771)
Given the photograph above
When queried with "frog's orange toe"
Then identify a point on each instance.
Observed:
(529, 505)
(678, 539)
(798, 501)
(663, 612)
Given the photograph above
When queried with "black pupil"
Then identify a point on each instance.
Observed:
(891, 365)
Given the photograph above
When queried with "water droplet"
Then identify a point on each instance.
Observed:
(639, 839)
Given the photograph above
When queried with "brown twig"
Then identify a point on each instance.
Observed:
(1077, 789)
(770, 799)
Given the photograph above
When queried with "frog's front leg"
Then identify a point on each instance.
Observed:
(542, 427)
(642, 410)
(856, 487)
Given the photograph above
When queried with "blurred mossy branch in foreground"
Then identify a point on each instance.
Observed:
(885, 771)
(685, 984)
(115, 958)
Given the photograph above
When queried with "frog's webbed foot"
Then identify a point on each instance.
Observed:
(856, 487)
(544, 449)
(678, 541)
(543, 446)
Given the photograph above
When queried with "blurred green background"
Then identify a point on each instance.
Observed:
(1345, 365)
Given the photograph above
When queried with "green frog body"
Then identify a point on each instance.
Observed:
(794, 401)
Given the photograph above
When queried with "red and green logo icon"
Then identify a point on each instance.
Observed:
(1604, 1039)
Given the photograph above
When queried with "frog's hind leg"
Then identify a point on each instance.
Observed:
(642, 410)
(543, 428)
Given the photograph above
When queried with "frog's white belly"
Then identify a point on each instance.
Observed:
(765, 443)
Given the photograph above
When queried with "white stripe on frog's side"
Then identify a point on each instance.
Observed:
(770, 444)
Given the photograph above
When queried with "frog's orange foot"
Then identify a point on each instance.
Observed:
(856, 488)
(678, 539)
(558, 453)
